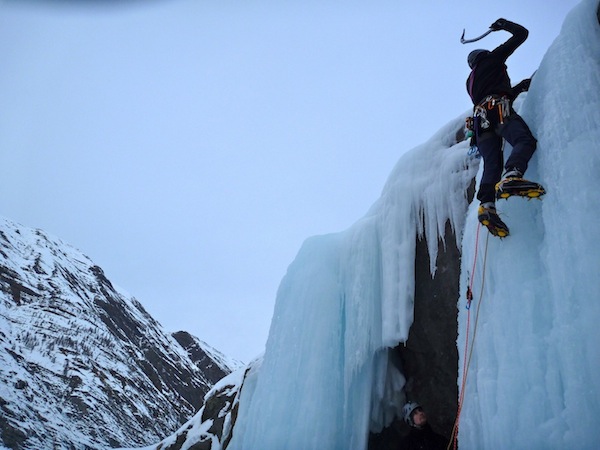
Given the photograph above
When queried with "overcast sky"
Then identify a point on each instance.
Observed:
(189, 147)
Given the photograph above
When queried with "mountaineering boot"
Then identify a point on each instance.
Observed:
(488, 217)
(513, 184)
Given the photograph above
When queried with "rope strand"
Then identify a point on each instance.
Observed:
(468, 353)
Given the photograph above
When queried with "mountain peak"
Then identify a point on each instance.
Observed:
(78, 354)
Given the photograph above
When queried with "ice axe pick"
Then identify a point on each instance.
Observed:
(467, 41)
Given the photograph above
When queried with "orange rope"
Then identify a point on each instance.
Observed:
(469, 351)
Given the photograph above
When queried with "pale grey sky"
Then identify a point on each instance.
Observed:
(189, 147)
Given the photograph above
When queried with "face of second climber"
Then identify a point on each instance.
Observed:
(419, 417)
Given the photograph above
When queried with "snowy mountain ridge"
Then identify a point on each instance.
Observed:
(82, 364)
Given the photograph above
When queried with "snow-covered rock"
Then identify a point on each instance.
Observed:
(82, 364)
(211, 427)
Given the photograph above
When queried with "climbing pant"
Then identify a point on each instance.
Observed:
(515, 131)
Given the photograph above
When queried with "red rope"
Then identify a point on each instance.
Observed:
(467, 359)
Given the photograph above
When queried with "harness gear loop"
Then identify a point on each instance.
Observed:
(480, 115)
(500, 105)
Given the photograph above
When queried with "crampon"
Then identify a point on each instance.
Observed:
(489, 218)
(519, 187)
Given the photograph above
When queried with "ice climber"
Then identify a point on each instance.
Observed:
(421, 436)
(495, 120)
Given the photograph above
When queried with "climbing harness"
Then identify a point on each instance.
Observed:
(468, 353)
(492, 111)
(491, 107)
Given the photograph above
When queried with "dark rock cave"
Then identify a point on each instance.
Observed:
(429, 358)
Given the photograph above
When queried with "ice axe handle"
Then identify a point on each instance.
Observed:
(467, 41)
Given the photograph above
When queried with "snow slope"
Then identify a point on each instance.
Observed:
(533, 380)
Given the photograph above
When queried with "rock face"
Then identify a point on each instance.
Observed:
(429, 359)
(82, 364)
(211, 428)
(213, 365)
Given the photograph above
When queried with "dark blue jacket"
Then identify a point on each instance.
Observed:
(489, 76)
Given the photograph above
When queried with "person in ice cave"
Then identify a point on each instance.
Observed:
(495, 120)
(421, 436)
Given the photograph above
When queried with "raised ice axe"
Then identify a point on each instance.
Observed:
(467, 41)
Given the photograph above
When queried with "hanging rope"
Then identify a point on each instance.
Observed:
(468, 353)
